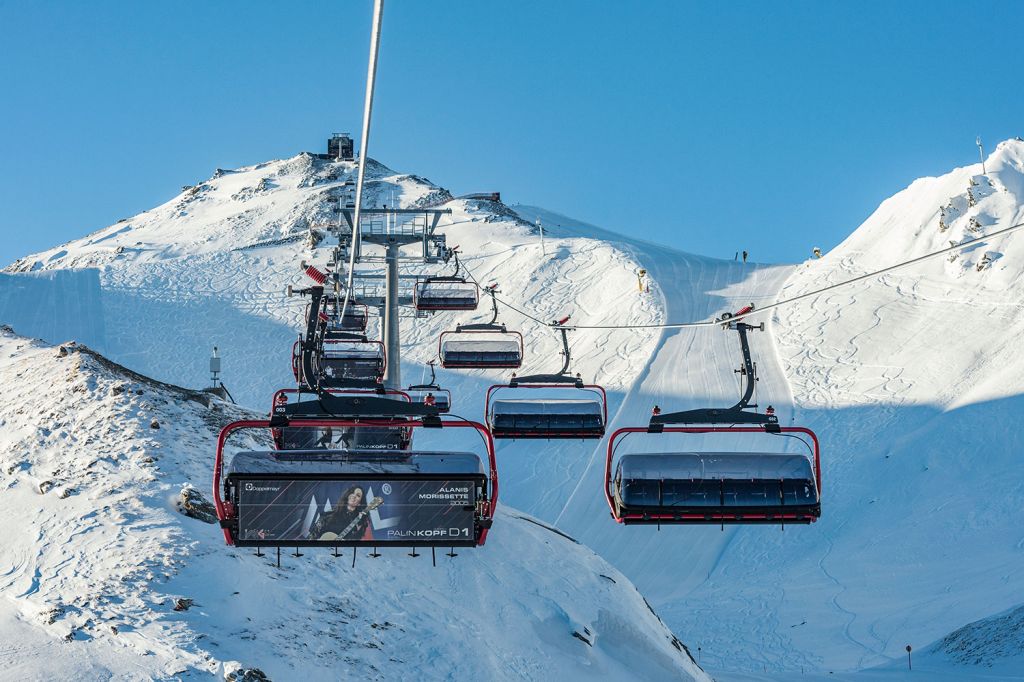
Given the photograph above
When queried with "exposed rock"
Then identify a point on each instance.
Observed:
(154, 424)
(247, 675)
(51, 615)
(191, 503)
(182, 604)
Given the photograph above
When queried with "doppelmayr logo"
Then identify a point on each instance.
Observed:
(253, 488)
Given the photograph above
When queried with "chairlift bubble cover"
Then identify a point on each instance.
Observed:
(446, 295)
(550, 406)
(547, 418)
(358, 437)
(716, 480)
(350, 368)
(301, 498)
(486, 352)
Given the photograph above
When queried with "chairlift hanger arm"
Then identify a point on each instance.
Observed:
(433, 380)
(727, 415)
(309, 342)
(492, 291)
(563, 376)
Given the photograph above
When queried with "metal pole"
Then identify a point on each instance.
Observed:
(981, 154)
(540, 226)
(392, 340)
(364, 145)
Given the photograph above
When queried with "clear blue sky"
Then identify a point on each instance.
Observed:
(713, 127)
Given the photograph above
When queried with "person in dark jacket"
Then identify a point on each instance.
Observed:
(347, 521)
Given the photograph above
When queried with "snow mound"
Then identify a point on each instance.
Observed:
(992, 642)
(102, 573)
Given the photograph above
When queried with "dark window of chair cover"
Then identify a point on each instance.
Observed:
(481, 351)
(715, 479)
(351, 368)
(547, 415)
(358, 437)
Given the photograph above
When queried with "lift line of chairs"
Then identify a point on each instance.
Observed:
(342, 470)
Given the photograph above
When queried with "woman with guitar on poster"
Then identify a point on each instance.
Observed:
(349, 520)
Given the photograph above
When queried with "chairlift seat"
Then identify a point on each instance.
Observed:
(716, 487)
(504, 353)
(452, 294)
(409, 499)
(551, 418)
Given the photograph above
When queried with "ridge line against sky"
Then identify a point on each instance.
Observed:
(712, 129)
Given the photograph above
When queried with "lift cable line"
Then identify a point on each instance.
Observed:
(364, 141)
(771, 306)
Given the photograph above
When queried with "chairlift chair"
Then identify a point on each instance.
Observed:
(446, 293)
(450, 292)
(432, 394)
(356, 319)
(489, 346)
(348, 358)
(584, 415)
(714, 487)
(352, 497)
(725, 488)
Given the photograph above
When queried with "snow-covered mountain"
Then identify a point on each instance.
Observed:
(104, 578)
(910, 379)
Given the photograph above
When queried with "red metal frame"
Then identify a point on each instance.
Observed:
(225, 511)
(420, 306)
(702, 429)
(479, 365)
(585, 387)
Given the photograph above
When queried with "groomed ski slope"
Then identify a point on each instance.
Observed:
(96, 555)
(899, 376)
(913, 381)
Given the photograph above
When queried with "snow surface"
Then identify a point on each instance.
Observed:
(911, 380)
(96, 555)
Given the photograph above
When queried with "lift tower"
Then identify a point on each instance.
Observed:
(393, 228)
